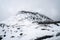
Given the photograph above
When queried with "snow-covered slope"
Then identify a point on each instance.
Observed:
(25, 26)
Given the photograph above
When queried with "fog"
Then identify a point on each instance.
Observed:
(50, 8)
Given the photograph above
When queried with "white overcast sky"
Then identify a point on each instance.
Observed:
(50, 8)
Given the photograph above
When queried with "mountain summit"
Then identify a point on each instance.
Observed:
(25, 26)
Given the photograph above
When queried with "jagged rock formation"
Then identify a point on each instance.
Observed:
(25, 26)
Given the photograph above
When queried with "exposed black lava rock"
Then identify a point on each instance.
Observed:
(21, 34)
(18, 28)
(58, 34)
(12, 36)
(2, 25)
(45, 29)
(44, 37)
(1, 38)
(3, 30)
(4, 35)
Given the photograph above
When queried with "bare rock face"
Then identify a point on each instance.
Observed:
(25, 26)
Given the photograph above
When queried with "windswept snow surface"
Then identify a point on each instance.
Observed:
(24, 26)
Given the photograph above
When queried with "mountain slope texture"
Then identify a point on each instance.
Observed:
(25, 26)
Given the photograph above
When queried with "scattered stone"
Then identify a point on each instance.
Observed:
(58, 34)
(3, 30)
(12, 36)
(2, 25)
(4, 35)
(45, 29)
(7, 26)
(52, 30)
(18, 28)
(21, 33)
(1, 38)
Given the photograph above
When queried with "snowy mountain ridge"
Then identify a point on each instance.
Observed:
(23, 26)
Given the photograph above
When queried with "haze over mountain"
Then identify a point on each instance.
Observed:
(50, 8)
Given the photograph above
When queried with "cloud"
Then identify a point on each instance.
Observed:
(11, 7)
